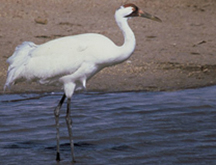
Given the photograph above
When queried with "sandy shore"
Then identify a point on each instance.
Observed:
(176, 54)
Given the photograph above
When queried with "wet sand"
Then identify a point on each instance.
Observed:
(176, 54)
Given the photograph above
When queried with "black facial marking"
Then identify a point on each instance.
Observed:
(135, 12)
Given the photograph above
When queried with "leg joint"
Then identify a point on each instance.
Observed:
(68, 119)
(56, 112)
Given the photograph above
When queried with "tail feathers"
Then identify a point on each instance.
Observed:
(17, 62)
(21, 52)
(10, 80)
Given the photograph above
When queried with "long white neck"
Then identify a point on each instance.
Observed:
(129, 39)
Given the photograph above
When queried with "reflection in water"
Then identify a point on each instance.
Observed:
(112, 128)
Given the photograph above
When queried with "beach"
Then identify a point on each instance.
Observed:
(178, 53)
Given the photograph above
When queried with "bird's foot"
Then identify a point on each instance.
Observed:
(57, 156)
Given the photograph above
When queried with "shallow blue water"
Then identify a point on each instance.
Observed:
(111, 128)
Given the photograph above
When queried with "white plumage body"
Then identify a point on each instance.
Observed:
(72, 58)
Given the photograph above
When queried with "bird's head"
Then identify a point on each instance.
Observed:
(130, 10)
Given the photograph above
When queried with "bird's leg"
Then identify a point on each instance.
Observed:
(69, 125)
(56, 113)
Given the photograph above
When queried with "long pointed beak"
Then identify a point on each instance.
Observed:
(149, 16)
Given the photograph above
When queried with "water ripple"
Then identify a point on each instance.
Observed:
(112, 128)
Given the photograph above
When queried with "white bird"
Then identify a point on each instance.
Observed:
(72, 61)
